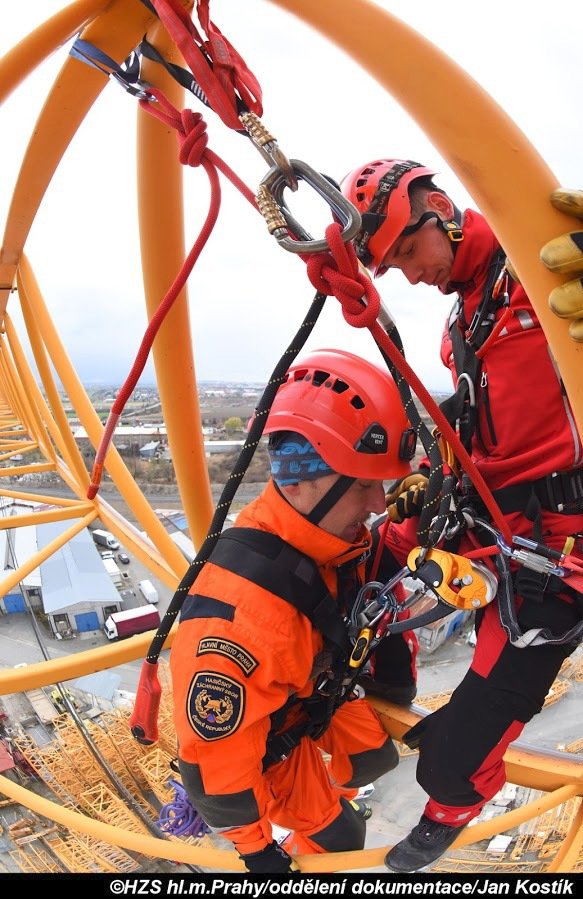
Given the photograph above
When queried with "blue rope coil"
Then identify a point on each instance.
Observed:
(179, 817)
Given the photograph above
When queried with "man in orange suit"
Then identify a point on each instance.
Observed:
(262, 687)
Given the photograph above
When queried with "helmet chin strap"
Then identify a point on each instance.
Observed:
(452, 227)
(336, 491)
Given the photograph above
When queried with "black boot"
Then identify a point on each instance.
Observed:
(426, 842)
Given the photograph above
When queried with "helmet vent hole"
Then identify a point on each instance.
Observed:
(339, 386)
(357, 402)
(300, 374)
(319, 377)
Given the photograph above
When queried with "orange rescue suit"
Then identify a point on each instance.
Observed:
(239, 654)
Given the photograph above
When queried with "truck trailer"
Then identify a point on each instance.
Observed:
(131, 621)
(113, 571)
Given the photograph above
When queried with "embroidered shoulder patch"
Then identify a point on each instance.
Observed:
(234, 651)
(215, 705)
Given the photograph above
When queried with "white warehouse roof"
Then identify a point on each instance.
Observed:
(75, 573)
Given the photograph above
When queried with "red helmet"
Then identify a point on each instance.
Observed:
(350, 411)
(379, 190)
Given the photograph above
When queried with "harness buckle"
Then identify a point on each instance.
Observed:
(447, 453)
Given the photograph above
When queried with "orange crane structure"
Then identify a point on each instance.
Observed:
(96, 831)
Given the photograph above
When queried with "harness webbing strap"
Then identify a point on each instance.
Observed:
(558, 492)
(268, 561)
(461, 406)
(561, 491)
(216, 66)
(538, 636)
(271, 563)
(181, 75)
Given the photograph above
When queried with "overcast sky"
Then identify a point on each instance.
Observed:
(247, 296)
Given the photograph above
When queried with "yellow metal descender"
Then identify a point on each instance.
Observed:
(457, 581)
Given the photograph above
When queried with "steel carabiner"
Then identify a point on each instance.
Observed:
(281, 222)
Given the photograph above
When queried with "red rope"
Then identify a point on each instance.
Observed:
(192, 139)
(336, 273)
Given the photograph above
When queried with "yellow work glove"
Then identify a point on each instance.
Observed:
(565, 255)
(406, 498)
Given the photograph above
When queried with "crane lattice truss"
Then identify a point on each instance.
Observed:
(34, 422)
(576, 746)
(116, 725)
(68, 768)
(155, 768)
(572, 668)
(477, 861)
(106, 806)
(35, 860)
(76, 857)
(544, 835)
(54, 853)
(110, 858)
(57, 770)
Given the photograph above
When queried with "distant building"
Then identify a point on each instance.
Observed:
(150, 450)
(77, 593)
(142, 439)
(222, 446)
(17, 545)
(71, 587)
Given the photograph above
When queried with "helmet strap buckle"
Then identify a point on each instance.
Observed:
(453, 231)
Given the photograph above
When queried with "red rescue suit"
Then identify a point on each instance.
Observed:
(240, 653)
(525, 431)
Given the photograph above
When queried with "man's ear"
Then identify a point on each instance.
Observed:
(440, 203)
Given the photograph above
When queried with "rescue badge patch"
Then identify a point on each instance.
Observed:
(215, 705)
(234, 651)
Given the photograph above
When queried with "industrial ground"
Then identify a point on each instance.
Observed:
(28, 844)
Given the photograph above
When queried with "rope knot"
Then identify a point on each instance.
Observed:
(192, 137)
(336, 273)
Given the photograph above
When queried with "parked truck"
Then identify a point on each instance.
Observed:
(148, 591)
(113, 571)
(105, 538)
(130, 621)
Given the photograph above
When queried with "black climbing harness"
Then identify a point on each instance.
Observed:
(467, 339)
